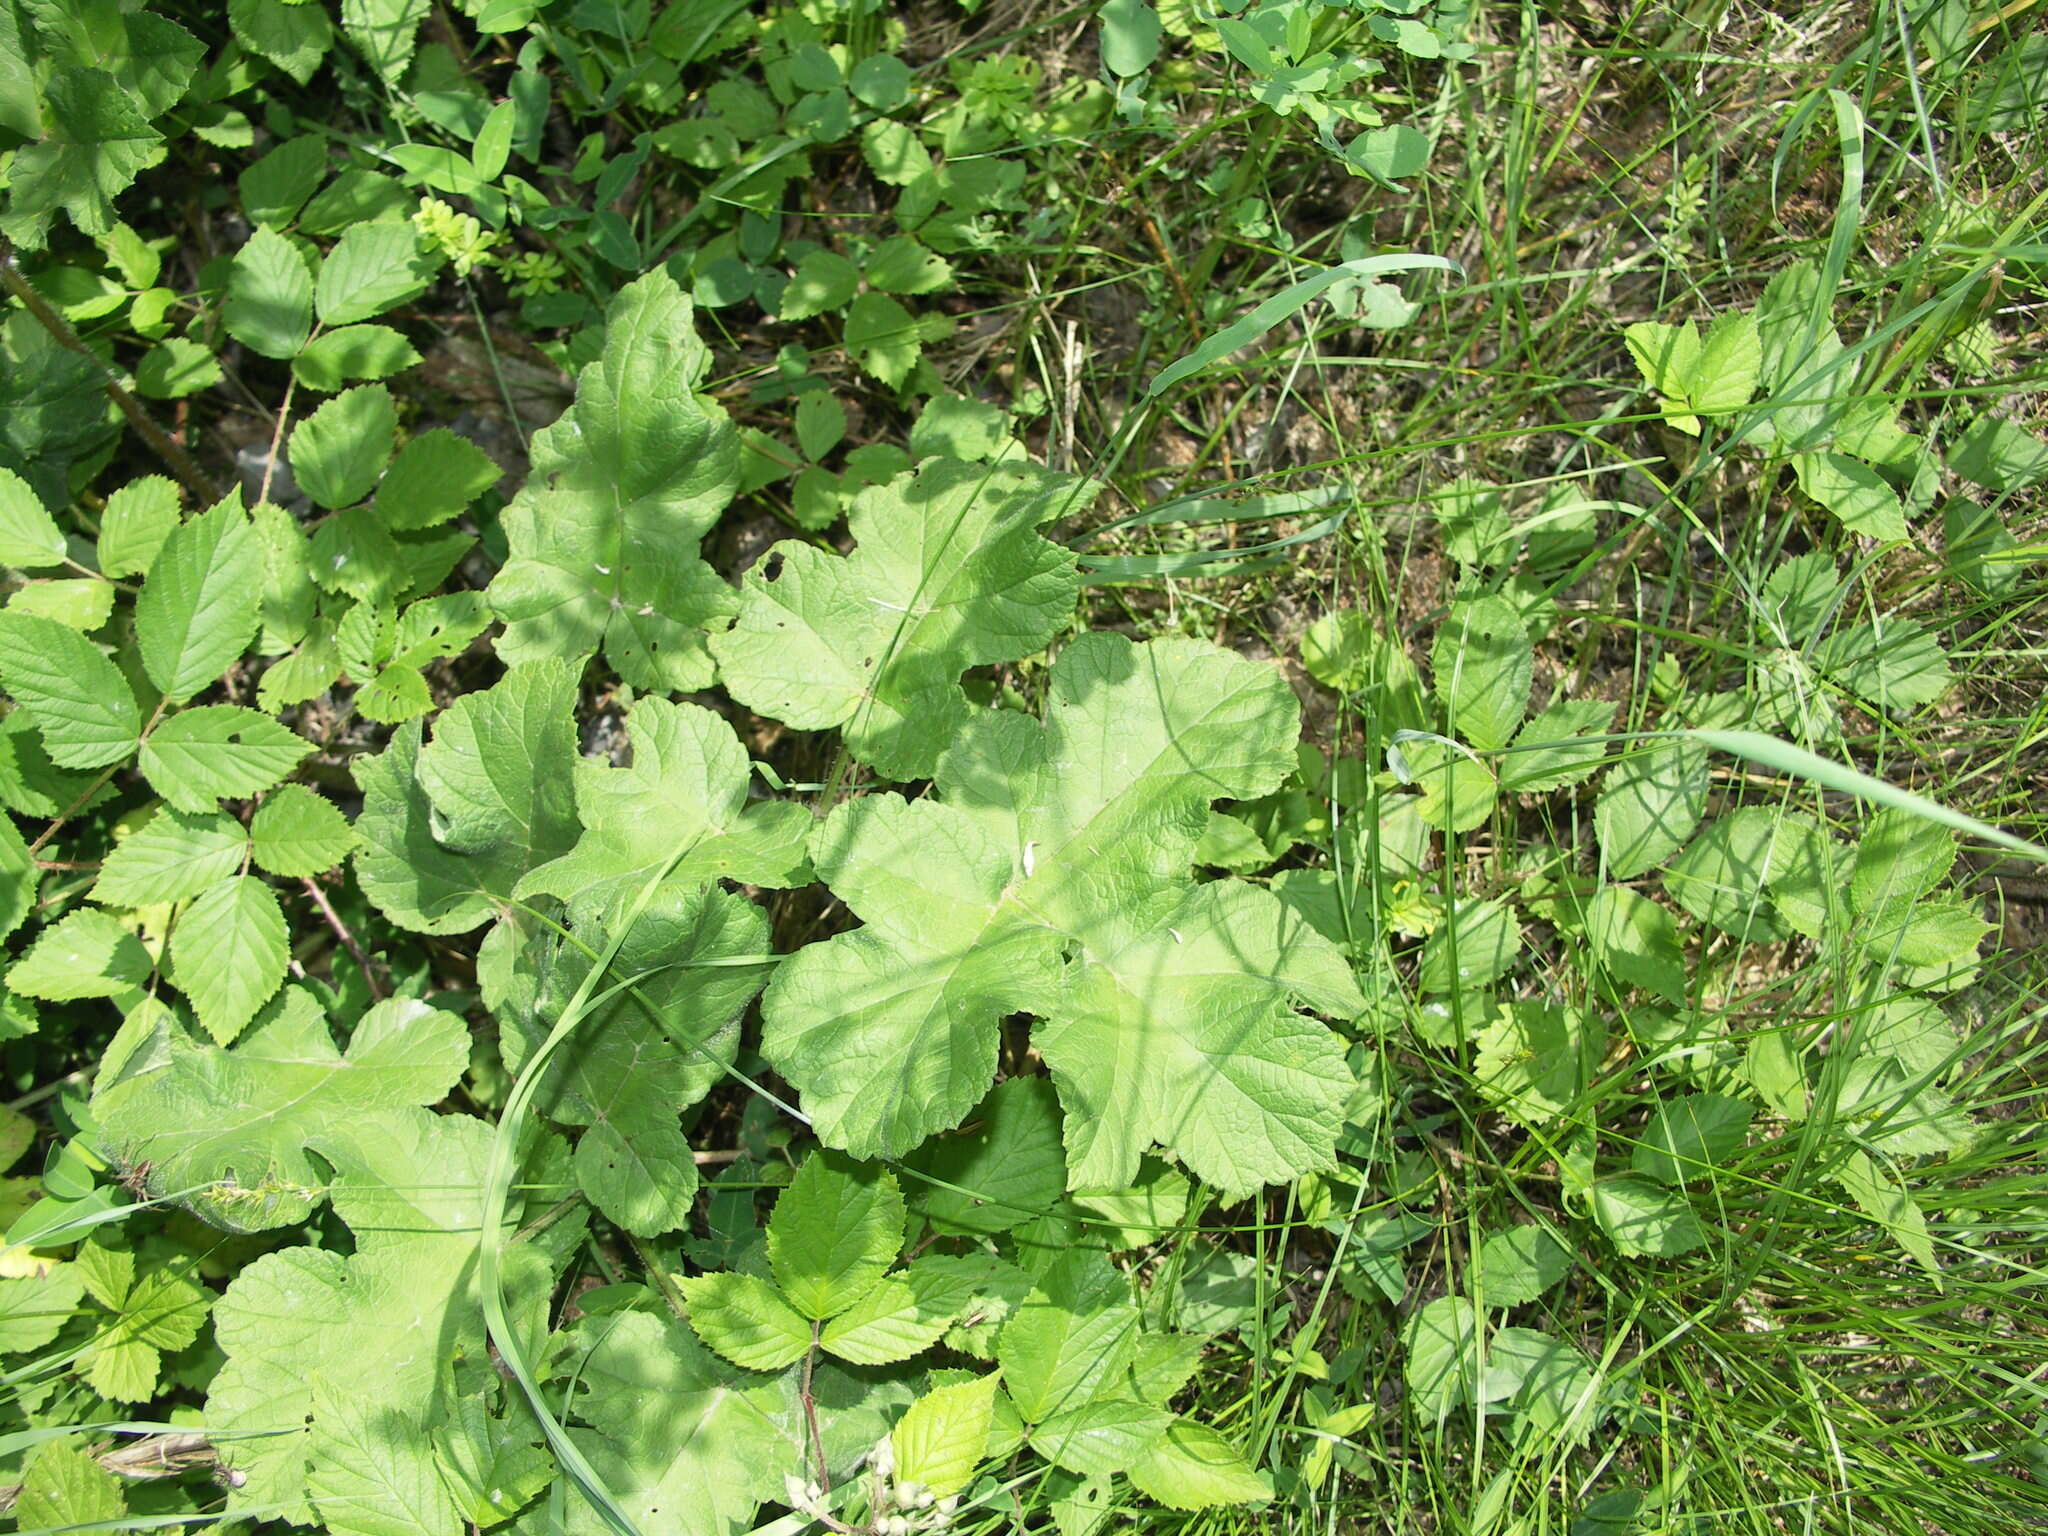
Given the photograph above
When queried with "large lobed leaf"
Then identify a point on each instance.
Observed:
(950, 573)
(1049, 874)
(603, 538)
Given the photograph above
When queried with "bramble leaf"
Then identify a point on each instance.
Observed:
(198, 610)
(172, 857)
(950, 573)
(30, 539)
(228, 954)
(603, 537)
(1049, 873)
(74, 696)
(216, 752)
(746, 1320)
(297, 832)
(833, 1235)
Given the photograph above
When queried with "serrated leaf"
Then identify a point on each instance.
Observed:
(86, 953)
(76, 698)
(1514, 1267)
(1854, 492)
(1649, 804)
(603, 537)
(1548, 754)
(903, 1316)
(893, 152)
(232, 1133)
(298, 832)
(1482, 666)
(35, 1308)
(435, 477)
(1689, 1135)
(80, 603)
(1173, 1022)
(198, 610)
(339, 451)
(820, 422)
(1056, 1358)
(1636, 940)
(823, 282)
(1535, 1060)
(950, 572)
(1194, 1467)
(275, 187)
(1729, 365)
(940, 1439)
(1441, 1366)
(834, 1233)
(886, 339)
(1101, 1438)
(19, 878)
(199, 757)
(95, 143)
(374, 267)
(1723, 876)
(293, 37)
(138, 519)
(1886, 1201)
(176, 367)
(1899, 858)
(1645, 1220)
(645, 1182)
(63, 1487)
(499, 768)
(270, 296)
(901, 265)
(171, 857)
(1891, 663)
(228, 954)
(29, 537)
(333, 358)
(1475, 944)
(1005, 1169)
(746, 1320)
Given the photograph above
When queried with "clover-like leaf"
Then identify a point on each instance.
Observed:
(950, 573)
(603, 537)
(1049, 873)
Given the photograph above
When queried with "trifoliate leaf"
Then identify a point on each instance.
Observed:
(950, 573)
(270, 296)
(746, 1320)
(603, 537)
(1048, 873)
(823, 282)
(434, 477)
(686, 787)
(198, 610)
(85, 953)
(339, 451)
(1482, 667)
(76, 698)
(95, 143)
(903, 1316)
(1649, 804)
(940, 1440)
(901, 265)
(1194, 1467)
(30, 539)
(886, 339)
(1723, 876)
(228, 1132)
(835, 1232)
(1899, 859)
(139, 518)
(1101, 1438)
(171, 857)
(228, 954)
(297, 832)
(199, 757)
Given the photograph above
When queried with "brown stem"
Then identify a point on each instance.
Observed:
(179, 461)
(811, 1409)
(348, 940)
(152, 1456)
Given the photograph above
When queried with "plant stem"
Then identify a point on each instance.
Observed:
(349, 941)
(161, 443)
(811, 1409)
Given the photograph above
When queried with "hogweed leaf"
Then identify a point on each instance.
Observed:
(950, 573)
(603, 537)
(1049, 873)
